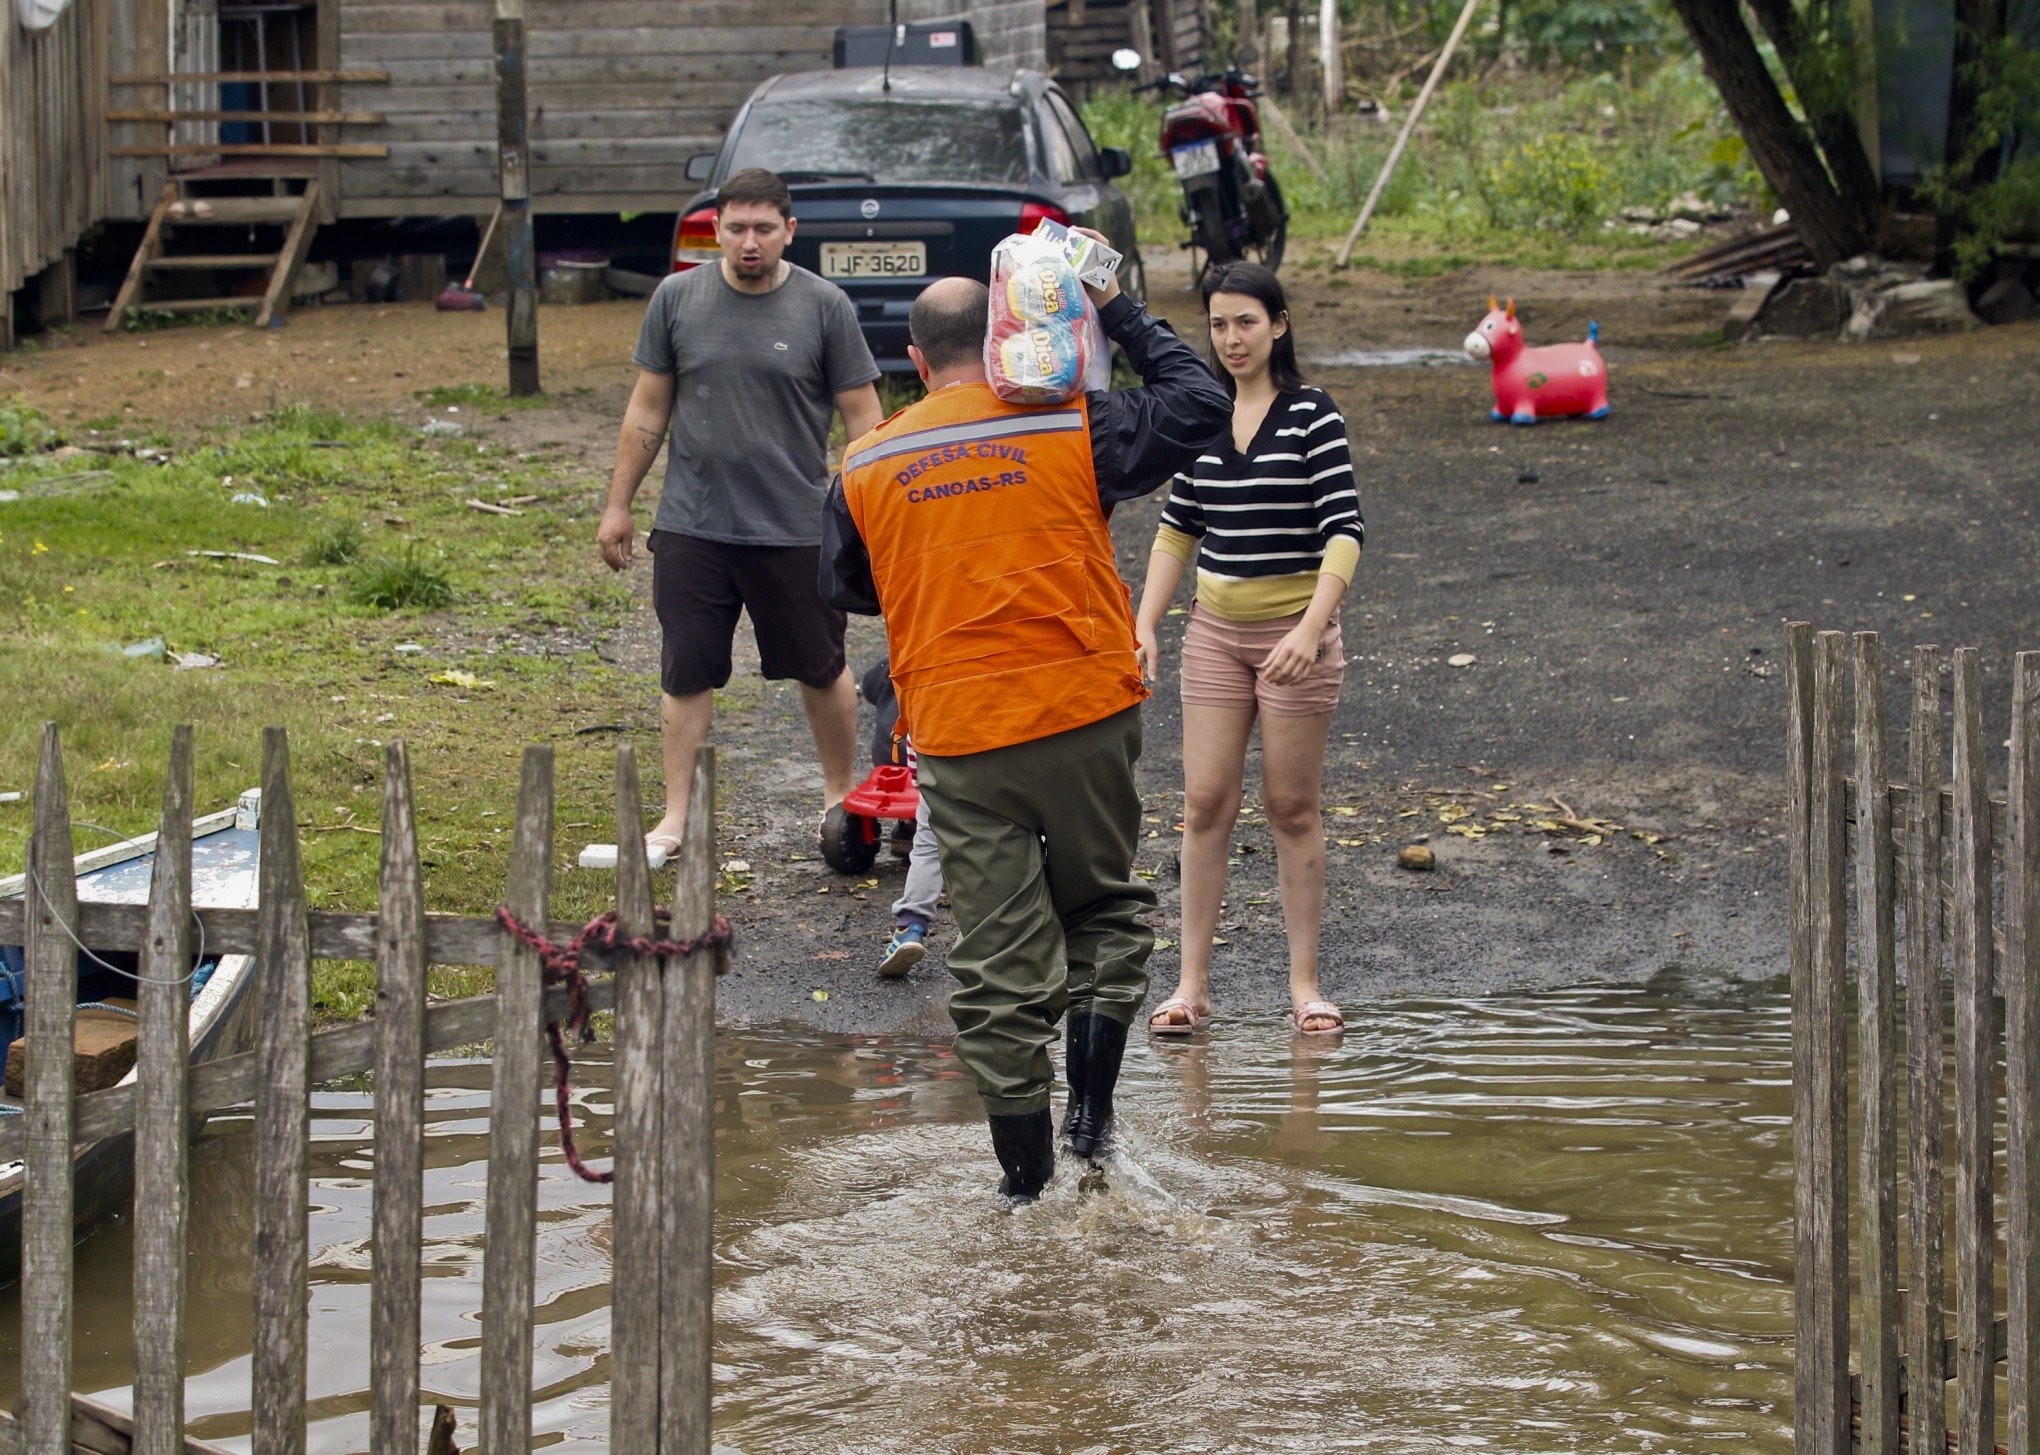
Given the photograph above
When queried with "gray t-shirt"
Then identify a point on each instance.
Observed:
(755, 375)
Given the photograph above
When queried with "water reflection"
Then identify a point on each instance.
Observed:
(1555, 1222)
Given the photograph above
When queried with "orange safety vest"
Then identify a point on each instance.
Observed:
(1004, 611)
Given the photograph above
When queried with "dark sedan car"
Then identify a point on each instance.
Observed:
(894, 184)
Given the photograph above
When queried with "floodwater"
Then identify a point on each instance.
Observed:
(1555, 1222)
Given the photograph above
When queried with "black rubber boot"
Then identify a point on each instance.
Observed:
(1025, 1145)
(1097, 1043)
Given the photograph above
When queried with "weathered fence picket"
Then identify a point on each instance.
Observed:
(162, 1162)
(283, 1130)
(663, 1137)
(1877, 1058)
(399, 1207)
(640, 1013)
(1950, 917)
(2022, 1060)
(509, 1265)
(46, 1204)
(1925, 1059)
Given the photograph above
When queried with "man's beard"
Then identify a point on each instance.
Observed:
(760, 269)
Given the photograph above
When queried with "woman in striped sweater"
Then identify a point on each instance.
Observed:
(1271, 518)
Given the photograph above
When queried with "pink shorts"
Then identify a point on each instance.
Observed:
(1222, 666)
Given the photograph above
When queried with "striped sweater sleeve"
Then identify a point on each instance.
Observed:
(1183, 513)
(1329, 463)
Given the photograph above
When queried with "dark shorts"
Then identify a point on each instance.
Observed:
(699, 588)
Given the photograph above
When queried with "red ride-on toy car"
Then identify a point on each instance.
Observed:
(850, 833)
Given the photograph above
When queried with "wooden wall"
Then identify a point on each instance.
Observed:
(52, 153)
(622, 91)
(1080, 46)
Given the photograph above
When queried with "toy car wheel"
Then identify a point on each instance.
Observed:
(849, 841)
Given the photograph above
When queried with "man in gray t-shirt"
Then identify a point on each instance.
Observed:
(745, 360)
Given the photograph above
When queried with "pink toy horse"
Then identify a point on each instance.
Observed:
(1534, 384)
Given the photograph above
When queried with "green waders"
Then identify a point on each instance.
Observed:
(1037, 844)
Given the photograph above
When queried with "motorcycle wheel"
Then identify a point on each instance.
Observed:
(1269, 252)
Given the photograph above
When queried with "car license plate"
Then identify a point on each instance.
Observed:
(875, 260)
(1197, 159)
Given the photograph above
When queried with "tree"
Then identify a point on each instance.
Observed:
(1971, 154)
(1803, 41)
(1779, 145)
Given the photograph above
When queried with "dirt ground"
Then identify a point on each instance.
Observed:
(1620, 586)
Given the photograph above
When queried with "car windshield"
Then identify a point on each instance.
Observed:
(896, 139)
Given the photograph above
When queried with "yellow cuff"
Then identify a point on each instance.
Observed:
(1342, 558)
(1183, 546)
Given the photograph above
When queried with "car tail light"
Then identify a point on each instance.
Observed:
(1033, 214)
(694, 240)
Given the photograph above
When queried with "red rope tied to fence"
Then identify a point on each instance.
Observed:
(563, 967)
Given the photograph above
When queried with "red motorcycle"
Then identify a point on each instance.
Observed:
(1231, 200)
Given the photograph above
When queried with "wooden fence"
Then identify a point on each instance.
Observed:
(663, 1132)
(1942, 855)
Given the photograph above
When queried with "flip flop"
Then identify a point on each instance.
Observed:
(1318, 1010)
(661, 847)
(1194, 1021)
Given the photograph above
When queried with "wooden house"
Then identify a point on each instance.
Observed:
(1170, 35)
(283, 114)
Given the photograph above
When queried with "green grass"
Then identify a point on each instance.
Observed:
(1518, 169)
(87, 571)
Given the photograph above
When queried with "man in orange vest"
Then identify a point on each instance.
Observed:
(978, 528)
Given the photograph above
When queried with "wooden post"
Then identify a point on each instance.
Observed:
(513, 152)
(1292, 18)
(687, 1075)
(2022, 1058)
(1975, 1366)
(1409, 128)
(1799, 918)
(282, 1118)
(1877, 1057)
(1926, 1090)
(50, 1025)
(509, 1265)
(162, 1125)
(399, 1118)
(640, 1012)
(1825, 1107)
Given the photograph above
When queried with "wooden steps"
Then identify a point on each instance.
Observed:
(295, 215)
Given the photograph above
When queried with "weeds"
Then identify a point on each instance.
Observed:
(25, 430)
(403, 580)
(339, 544)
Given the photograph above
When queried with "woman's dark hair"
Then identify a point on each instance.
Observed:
(1253, 281)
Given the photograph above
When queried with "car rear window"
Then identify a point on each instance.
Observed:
(893, 140)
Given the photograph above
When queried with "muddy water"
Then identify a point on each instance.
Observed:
(1556, 1222)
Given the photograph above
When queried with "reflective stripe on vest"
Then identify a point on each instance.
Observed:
(1005, 615)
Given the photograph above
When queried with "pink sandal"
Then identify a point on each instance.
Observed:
(1193, 1019)
(1318, 1010)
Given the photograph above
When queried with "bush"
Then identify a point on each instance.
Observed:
(1553, 182)
(337, 545)
(400, 581)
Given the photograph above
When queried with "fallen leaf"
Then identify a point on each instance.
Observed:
(1417, 856)
(736, 866)
(1346, 812)
(1351, 843)
(455, 677)
(868, 884)
(1409, 813)
(821, 995)
(1161, 944)
(1461, 659)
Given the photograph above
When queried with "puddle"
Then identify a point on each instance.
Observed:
(1547, 1223)
(1388, 358)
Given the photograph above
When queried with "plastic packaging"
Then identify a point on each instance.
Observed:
(1093, 261)
(1045, 344)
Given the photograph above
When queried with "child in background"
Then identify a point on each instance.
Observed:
(915, 909)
